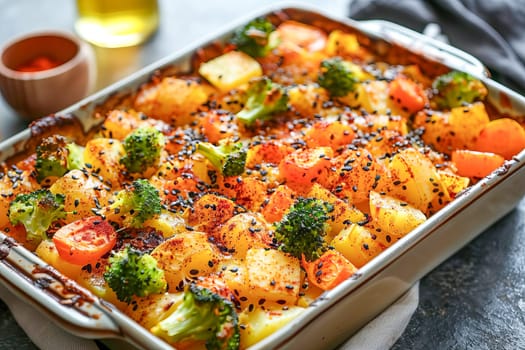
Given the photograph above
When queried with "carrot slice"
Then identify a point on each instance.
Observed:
(504, 136)
(329, 270)
(408, 94)
(476, 164)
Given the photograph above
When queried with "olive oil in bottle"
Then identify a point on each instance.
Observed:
(116, 23)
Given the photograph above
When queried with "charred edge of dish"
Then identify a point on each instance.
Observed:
(5, 247)
(69, 294)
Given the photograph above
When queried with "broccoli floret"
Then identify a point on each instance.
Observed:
(264, 99)
(137, 203)
(75, 156)
(202, 316)
(302, 230)
(255, 38)
(143, 148)
(55, 156)
(36, 211)
(457, 88)
(228, 157)
(133, 273)
(336, 77)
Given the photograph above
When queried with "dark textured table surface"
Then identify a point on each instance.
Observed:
(474, 300)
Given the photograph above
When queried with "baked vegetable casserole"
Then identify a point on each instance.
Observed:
(214, 205)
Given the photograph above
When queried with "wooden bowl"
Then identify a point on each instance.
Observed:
(44, 72)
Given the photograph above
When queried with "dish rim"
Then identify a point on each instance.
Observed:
(81, 110)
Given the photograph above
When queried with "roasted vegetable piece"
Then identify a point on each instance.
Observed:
(407, 94)
(304, 167)
(228, 158)
(186, 255)
(134, 273)
(503, 136)
(269, 274)
(358, 244)
(457, 88)
(36, 211)
(83, 192)
(336, 77)
(85, 241)
(137, 203)
(306, 37)
(255, 38)
(202, 316)
(393, 217)
(265, 98)
(230, 70)
(55, 156)
(476, 164)
(329, 270)
(302, 230)
(143, 149)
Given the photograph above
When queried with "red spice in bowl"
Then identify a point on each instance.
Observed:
(44, 72)
(37, 64)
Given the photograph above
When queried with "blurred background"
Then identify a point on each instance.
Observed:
(180, 23)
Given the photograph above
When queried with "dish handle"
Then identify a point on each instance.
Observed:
(426, 46)
(61, 299)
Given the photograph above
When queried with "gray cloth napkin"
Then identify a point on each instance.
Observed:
(379, 334)
(493, 31)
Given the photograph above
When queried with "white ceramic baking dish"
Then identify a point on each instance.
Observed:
(337, 313)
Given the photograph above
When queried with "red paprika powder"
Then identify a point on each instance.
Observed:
(38, 64)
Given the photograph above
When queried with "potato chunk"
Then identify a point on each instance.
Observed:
(343, 214)
(342, 44)
(211, 211)
(395, 218)
(272, 275)
(187, 254)
(167, 222)
(233, 273)
(357, 244)
(173, 100)
(244, 231)
(230, 70)
(150, 310)
(414, 178)
(260, 323)
(83, 192)
(47, 251)
(103, 155)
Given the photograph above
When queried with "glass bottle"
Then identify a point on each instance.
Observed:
(116, 23)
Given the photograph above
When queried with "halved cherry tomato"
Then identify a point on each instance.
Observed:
(476, 164)
(408, 94)
(329, 270)
(85, 241)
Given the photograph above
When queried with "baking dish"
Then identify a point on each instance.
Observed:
(393, 271)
